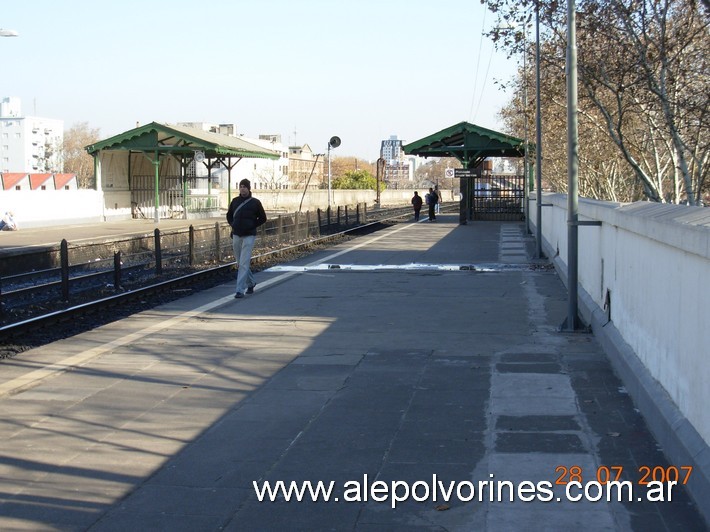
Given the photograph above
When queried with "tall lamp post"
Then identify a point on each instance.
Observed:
(538, 138)
(380, 176)
(526, 160)
(334, 142)
(571, 322)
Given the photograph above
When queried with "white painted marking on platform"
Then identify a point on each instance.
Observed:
(382, 267)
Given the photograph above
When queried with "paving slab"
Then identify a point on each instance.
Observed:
(442, 385)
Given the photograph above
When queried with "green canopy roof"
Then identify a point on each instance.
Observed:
(468, 143)
(181, 140)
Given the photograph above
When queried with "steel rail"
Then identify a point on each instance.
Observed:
(81, 277)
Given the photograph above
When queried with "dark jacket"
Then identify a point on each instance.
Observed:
(248, 218)
(417, 201)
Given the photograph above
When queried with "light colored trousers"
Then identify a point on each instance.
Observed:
(242, 246)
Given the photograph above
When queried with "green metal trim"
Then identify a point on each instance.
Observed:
(147, 139)
(468, 143)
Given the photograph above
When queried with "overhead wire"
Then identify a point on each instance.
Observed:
(485, 80)
(478, 63)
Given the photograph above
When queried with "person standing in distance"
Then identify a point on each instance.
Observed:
(433, 200)
(8, 222)
(245, 214)
(417, 204)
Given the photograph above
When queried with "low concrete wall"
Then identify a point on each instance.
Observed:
(651, 263)
(42, 208)
(295, 200)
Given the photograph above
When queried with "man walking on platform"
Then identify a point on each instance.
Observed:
(245, 214)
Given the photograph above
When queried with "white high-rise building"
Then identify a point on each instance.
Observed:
(28, 143)
(398, 171)
(391, 150)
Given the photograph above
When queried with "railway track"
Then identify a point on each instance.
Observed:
(43, 325)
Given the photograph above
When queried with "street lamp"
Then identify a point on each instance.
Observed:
(334, 142)
(8, 33)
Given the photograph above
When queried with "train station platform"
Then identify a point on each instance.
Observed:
(417, 373)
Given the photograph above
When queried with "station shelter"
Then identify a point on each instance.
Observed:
(484, 194)
(144, 171)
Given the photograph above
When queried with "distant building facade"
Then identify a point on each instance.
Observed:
(263, 173)
(28, 143)
(305, 168)
(398, 170)
(10, 181)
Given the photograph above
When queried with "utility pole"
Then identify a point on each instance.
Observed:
(380, 176)
(538, 137)
(572, 170)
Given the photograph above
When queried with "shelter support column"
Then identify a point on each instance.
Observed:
(464, 187)
(97, 172)
(183, 183)
(209, 183)
(99, 183)
(465, 178)
(156, 164)
(229, 179)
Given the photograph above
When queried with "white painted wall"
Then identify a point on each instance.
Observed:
(655, 261)
(42, 208)
(290, 200)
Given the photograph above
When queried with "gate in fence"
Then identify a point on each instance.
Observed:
(170, 197)
(173, 200)
(498, 197)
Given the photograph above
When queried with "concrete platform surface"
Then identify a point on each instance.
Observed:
(417, 373)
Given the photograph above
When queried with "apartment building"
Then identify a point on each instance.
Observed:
(28, 143)
(398, 171)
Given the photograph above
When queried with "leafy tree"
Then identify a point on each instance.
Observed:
(76, 159)
(356, 179)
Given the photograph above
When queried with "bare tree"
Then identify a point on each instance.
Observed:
(340, 165)
(643, 82)
(433, 171)
(76, 159)
(635, 69)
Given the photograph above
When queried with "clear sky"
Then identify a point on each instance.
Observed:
(360, 69)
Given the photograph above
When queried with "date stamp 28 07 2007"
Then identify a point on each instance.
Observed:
(658, 481)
